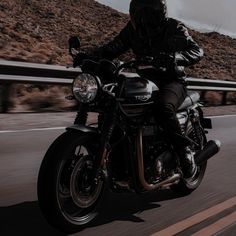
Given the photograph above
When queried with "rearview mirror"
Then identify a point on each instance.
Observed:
(74, 45)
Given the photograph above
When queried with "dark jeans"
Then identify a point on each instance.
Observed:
(170, 97)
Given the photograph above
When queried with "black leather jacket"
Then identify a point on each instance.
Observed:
(162, 41)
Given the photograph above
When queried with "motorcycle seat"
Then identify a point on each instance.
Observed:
(191, 99)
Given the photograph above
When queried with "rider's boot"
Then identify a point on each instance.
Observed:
(174, 133)
(187, 162)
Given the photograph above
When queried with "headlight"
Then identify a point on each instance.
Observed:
(85, 87)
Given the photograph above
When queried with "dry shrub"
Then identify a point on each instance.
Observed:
(37, 58)
(213, 98)
(41, 98)
(231, 98)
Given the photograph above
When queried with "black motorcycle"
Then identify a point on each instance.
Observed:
(125, 151)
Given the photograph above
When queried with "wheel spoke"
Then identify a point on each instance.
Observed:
(77, 193)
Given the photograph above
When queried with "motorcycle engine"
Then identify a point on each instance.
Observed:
(158, 159)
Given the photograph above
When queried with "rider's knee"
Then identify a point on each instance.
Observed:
(166, 110)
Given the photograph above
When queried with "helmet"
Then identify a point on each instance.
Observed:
(148, 13)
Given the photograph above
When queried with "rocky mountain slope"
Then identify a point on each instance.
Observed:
(37, 31)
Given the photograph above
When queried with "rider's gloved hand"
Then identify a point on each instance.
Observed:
(167, 61)
(79, 58)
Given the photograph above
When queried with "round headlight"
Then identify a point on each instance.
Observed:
(85, 87)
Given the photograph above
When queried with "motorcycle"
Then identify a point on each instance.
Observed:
(125, 151)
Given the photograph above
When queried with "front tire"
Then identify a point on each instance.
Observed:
(187, 186)
(68, 196)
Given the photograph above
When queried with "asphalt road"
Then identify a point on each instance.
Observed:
(126, 214)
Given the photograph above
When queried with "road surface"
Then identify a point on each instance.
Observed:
(212, 207)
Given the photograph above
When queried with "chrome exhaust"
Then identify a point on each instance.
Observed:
(139, 148)
(211, 148)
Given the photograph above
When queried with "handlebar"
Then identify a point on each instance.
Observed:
(134, 63)
(163, 62)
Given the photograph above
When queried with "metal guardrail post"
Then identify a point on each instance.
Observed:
(4, 98)
(203, 95)
(224, 98)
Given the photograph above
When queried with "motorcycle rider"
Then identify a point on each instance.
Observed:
(150, 33)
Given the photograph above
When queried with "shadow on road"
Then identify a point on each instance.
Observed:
(127, 207)
(26, 219)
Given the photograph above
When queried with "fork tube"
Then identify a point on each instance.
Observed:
(82, 115)
(106, 130)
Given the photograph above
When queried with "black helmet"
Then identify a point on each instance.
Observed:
(148, 12)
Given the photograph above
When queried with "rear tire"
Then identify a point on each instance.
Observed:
(68, 196)
(187, 186)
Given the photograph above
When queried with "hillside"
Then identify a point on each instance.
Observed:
(37, 31)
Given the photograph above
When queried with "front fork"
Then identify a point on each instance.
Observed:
(107, 128)
(82, 115)
(106, 123)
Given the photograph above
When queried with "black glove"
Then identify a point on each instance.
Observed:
(166, 61)
(79, 58)
(178, 43)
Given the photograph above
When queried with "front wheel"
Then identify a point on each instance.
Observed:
(186, 186)
(69, 196)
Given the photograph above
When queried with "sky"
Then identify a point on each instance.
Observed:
(204, 15)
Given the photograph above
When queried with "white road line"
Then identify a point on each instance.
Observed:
(60, 128)
(31, 130)
(197, 218)
(222, 116)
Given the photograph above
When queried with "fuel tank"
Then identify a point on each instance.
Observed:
(138, 95)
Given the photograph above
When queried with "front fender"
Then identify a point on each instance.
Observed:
(83, 128)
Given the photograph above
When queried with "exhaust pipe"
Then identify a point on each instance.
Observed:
(139, 148)
(211, 148)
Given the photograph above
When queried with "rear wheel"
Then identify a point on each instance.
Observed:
(69, 196)
(186, 186)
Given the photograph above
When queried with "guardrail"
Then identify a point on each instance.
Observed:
(31, 73)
